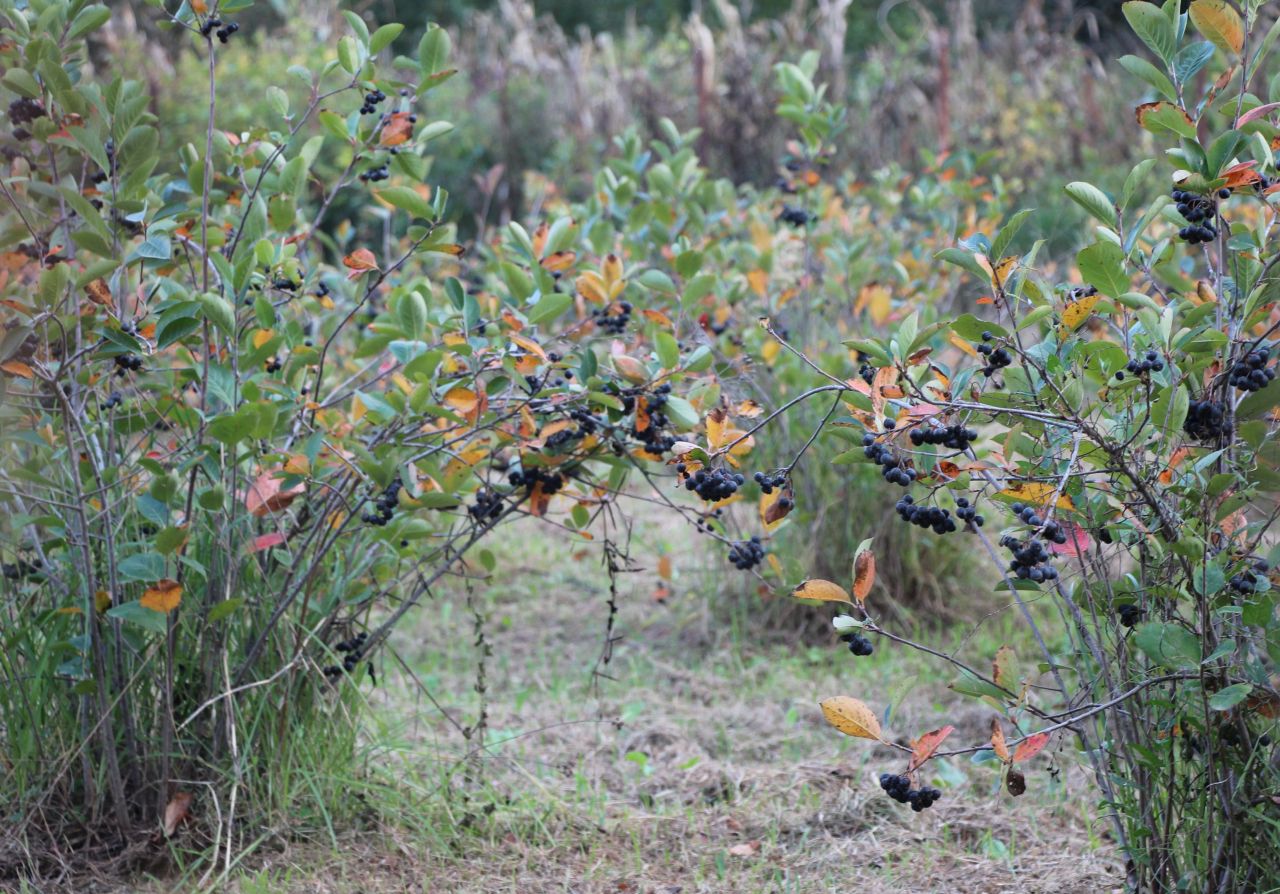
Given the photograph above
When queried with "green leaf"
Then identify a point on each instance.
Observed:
(218, 312)
(1093, 200)
(383, 37)
(1000, 245)
(1102, 266)
(406, 200)
(550, 306)
(1153, 26)
(966, 260)
(224, 609)
(1190, 59)
(969, 327)
(681, 412)
(91, 18)
(1229, 696)
(138, 614)
(668, 350)
(1140, 67)
(1169, 645)
(141, 567)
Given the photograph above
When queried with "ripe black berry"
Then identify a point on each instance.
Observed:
(613, 318)
(385, 505)
(1206, 420)
(932, 517)
(858, 644)
(1250, 372)
(714, 485)
(746, 554)
(796, 217)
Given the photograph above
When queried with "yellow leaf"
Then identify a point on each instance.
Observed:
(851, 717)
(823, 590)
(1219, 22)
(963, 345)
(759, 282)
(716, 429)
(531, 346)
(261, 337)
(1077, 312)
(769, 351)
(613, 275)
(876, 300)
(1000, 272)
(162, 596)
(298, 465)
(1037, 492)
(864, 574)
(102, 600)
(591, 287)
(358, 409)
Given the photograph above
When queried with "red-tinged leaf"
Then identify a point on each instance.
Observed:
(1241, 174)
(265, 494)
(1078, 541)
(1256, 113)
(1030, 747)
(926, 746)
(360, 262)
(266, 541)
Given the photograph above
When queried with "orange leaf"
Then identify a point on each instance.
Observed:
(162, 596)
(561, 260)
(1030, 747)
(924, 747)
(998, 744)
(664, 567)
(360, 262)
(864, 574)
(397, 130)
(17, 368)
(748, 409)
(759, 282)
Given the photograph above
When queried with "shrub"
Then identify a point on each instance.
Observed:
(1109, 445)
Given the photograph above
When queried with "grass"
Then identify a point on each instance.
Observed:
(700, 763)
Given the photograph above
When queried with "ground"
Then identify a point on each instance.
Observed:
(696, 761)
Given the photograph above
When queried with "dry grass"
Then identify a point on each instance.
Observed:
(701, 766)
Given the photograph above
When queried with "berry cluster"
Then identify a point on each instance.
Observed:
(1051, 529)
(746, 554)
(997, 358)
(655, 438)
(488, 506)
(25, 110)
(273, 364)
(797, 217)
(223, 32)
(114, 399)
(954, 437)
(715, 485)
(1197, 209)
(613, 318)
(371, 102)
(865, 369)
(1150, 363)
(374, 175)
(769, 482)
(1206, 420)
(551, 481)
(887, 458)
(353, 650)
(858, 644)
(933, 517)
(386, 505)
(968, 513)
(128, 363)
(1030, 560)
(899, 788)
(1247, 580)
(1250, 372)
(1130, 614)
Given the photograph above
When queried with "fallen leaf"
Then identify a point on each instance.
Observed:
(176, 811)
(851, 717)
(746, 849)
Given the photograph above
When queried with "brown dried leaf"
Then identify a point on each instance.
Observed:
(864, 574)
